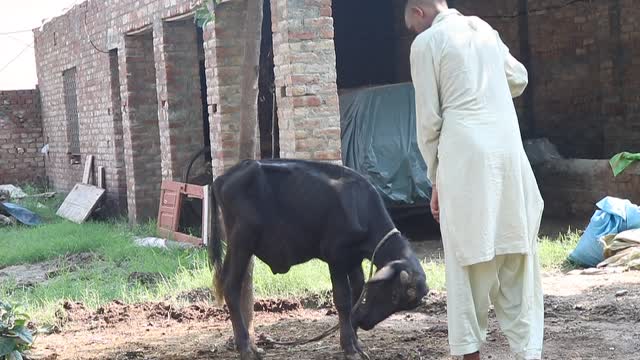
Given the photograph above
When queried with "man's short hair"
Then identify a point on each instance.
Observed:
(424, 2)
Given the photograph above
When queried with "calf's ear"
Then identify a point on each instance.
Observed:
(384, 274)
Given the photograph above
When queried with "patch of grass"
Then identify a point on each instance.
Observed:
(434, 269)
(33, 244)
(554, 252)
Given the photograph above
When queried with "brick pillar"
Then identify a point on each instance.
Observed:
(305, 70)
(223, 57)
(140, 125)
(179, 104)
(116, 176)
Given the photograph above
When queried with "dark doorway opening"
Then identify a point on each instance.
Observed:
(367, 42)
(203, 93)
(267, 106)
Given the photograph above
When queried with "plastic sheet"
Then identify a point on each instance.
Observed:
(379, 141)
(21, 214)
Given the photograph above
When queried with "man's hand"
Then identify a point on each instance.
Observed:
(435, 204)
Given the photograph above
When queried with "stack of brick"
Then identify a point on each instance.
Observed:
(20, 138)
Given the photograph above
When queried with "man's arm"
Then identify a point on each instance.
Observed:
(517, 75)
(428, 112)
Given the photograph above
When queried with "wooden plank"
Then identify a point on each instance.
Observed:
(100, 183)
(170, 206)
(80, 203)
(88, 169)
(206, 215)
(179, 237)
(169, 209)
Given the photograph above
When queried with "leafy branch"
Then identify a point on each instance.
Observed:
(15, 337)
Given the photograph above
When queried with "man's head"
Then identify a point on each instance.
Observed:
(419, 14)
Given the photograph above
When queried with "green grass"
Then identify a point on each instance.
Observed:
(107, 277)
(554, 252)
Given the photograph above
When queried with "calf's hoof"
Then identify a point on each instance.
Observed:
(357, 356)
(251, 354)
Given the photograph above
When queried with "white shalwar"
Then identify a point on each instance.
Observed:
(490, 205)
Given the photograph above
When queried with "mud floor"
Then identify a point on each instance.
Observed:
(587, 317)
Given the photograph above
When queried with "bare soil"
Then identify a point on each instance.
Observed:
(587, 317)
(31, 274)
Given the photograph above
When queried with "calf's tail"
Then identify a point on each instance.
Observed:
(215, 250)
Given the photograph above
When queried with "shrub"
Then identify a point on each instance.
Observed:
(15, 338)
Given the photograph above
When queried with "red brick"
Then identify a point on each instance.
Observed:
(325, 11)
(302, 35)
(327, 155)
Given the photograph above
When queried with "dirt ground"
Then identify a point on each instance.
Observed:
(587, 317)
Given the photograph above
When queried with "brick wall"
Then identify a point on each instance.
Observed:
(138, 90)
(572, 187)
(583, 94)
(61, 45)
(121, 122)
(583, 58)
(20, 137)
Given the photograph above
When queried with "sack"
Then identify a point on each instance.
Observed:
(614, 216)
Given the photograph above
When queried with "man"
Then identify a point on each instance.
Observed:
(485, 195)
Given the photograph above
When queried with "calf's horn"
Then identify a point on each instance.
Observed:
(404, 277)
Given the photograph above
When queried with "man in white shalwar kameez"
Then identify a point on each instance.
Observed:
(485, 195)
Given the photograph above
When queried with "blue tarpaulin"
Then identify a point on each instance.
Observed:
(614, 216)
(21, 214)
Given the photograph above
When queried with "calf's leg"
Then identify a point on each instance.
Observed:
(342, 299)
(236, 267)
(356, 281)
(247, 298)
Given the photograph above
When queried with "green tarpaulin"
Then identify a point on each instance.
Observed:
(379, 141)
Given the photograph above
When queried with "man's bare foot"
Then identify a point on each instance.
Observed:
(474, 356)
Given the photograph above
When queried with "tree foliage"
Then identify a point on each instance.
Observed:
(205, 13)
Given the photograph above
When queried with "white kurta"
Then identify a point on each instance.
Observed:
(468, 134)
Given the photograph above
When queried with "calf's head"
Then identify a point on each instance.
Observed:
(399, 285)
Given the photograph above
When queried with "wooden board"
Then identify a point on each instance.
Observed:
(170, 202)
(171, 198)
(80, 203)
(88, 169)
(206, 215)
(100, 183)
